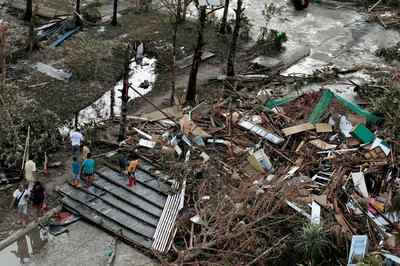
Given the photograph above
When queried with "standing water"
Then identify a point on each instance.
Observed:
(100, 109)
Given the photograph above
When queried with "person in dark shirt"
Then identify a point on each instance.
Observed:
(38, 196)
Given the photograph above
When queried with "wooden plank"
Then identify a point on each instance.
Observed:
(323, 127)
(297, 129)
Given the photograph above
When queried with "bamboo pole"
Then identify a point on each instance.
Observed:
(23, 231)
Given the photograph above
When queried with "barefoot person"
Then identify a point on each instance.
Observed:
(76, 171)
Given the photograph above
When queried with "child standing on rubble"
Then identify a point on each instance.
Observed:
(132, 167)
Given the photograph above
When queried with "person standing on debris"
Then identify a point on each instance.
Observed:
(30, 169)
(76, 138)
(88, 169)
(38, 196)
(85, 152)
(76, 171)
(132, 167)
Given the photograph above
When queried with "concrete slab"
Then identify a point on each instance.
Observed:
(84, 245)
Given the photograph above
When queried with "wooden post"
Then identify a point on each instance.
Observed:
(125, 94)
(23, 231)
(232, 51)
(191, 90)
(26, 150)
(222, 28)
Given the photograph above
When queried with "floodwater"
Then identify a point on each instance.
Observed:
(336, 33)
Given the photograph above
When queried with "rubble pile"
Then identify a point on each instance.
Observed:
(266, 173)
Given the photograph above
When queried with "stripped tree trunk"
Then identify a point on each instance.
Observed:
(222, 28)
(28, 11)
(112, 103)
(191, 90)
(232, 51)
(3, 30)
(31, 37)
(125, 95)
(114, 21)
(172, 98)
(78, 21)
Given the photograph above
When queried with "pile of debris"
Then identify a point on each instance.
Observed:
(263, 174)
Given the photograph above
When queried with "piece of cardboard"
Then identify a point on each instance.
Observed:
(297, 129)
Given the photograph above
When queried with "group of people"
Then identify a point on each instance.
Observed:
(87, 168)
(83, 166)
(26, 196)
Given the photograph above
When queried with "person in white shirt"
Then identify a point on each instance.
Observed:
(21, 199)
(76, 138)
